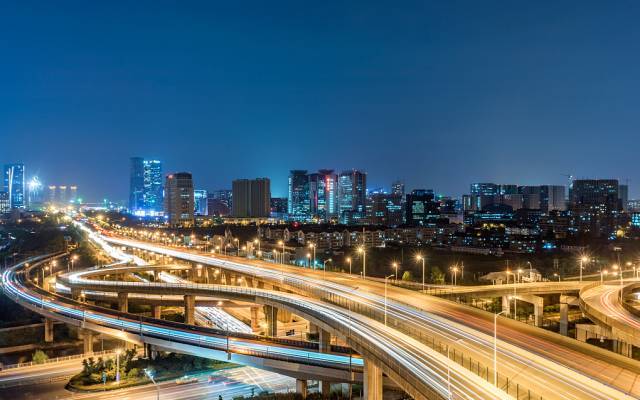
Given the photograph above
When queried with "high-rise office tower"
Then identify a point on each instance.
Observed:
(14, 184)
(552, 198)
(530, 197)
(53, 193)
(421, 207)
(397, 188)
(178, 204)
(219, 202)
(136, 184)
(322, 194)
(153, 185)
(597, 196)
(299, 207)
(63, 196)
(5, 205)
(485, 189)
(34, 191)
(352, 195)
(251, 198)
(623, 195)
(145, 186)
(73, 193)
(200, 202)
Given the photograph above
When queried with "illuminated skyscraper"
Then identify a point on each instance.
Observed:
(34, 187)
(145, 186)
(322, 194)
(352, 194)
(14, 185)
(200, 202)
(299, 207)
(397, 188)
(4, 203)
(152, 185)
(136, 184)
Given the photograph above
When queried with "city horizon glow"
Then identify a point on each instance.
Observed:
(438, 95)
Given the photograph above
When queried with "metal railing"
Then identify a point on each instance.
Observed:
(55, 360)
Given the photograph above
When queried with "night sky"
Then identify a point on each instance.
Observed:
(438, 93)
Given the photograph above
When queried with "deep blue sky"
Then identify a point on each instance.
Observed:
(437, 93)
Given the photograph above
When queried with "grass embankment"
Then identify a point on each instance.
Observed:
(100, 375)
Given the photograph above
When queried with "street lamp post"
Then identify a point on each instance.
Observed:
(454, 269)
(583, 259)
(281, 243)
(349, 261)
(313, 247)
(71, 260)
(421, 258)
(495, 347)
(395, 267)
(603, 273)
(118, 351)
(150, 375)
(324, 268)
(386, 278)
(364, 261)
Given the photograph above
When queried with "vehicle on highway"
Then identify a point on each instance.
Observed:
(186, 380)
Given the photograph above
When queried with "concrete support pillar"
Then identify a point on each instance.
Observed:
(271, 317)
(48, 330)
(372, 381)
(255, 321)
(564, 319)
(189, 309)
(301, 387)
(324, 341)
(87, 342)
(153, 352)
(156, 312)
(506, 307)
(324, 387)
(284, 316)
(75, 294)
(538, 306)
(622, 348)
(123, 301)
(589, 331)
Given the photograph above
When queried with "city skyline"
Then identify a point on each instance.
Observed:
(437, 95)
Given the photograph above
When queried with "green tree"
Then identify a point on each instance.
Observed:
(437, 276)
(407, 276)
(39, 357)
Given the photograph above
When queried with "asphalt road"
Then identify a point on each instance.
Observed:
(231, 383)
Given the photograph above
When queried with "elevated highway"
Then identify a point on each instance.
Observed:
(558, 367)
(606, 304)
(418, 370)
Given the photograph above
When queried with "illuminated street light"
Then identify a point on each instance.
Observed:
(118, 352)
(313, 246)
(583, 259)
(349, 261)
(455, 270)
(364, 261)
(395, 267)
(419, 257)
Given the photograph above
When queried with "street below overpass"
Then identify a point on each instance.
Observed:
(549, 364)
(47, 382)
